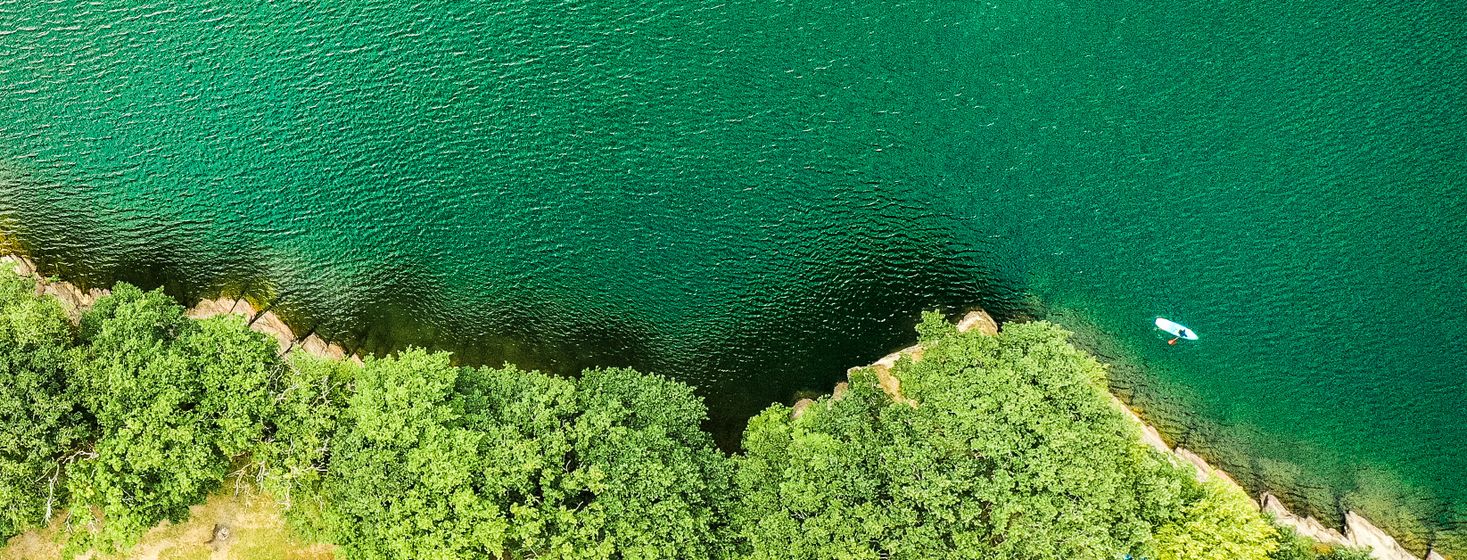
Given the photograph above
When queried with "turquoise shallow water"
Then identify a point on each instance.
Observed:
(753, 196)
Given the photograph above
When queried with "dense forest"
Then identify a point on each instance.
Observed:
(999, 447)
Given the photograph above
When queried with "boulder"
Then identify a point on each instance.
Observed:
(978, 319)
(1366, 535)
(840, 391)
(800, 406)
(23, 266)
(317, 346)
(1307, 526)
(888, 382)
(270, 324)
(210, 308)
(219, 535)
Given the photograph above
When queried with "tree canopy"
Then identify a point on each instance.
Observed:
(291, 461)
(438, 461)
(1011, 451)
(38, 415)
(1218, 523)
(1000, 447)
(174, 401)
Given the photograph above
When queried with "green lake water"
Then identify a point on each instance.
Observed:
(754, 196)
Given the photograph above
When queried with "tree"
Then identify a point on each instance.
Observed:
(308, 399)
(1012, 451)
(660, 487)
(1219, 524)
(400, 481)
(38, 416)
(1001, 447)
(174, 401)
(437, 461)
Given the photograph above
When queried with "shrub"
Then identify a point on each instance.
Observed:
(1293, 546)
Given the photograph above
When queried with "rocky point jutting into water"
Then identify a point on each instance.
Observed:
(1357, 532)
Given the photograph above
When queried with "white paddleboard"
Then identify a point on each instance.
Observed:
(1176, 329)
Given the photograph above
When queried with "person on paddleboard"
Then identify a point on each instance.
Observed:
(1181, 334)
(1178, 331)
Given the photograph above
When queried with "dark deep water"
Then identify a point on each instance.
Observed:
(754, 196)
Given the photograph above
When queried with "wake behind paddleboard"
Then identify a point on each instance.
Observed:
(1175, 329)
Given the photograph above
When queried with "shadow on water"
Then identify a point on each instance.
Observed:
(868, 306)
(401, 306)
(792, 331)
(845, 300)
(95, 248)
(397, 305)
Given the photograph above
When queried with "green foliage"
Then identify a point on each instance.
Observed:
(934, 327)
(309, 397)
(1293, 546)
(1346, 554)
(663, 486)
(444, 462)
(399, 465)
(1220, 524)
(174, 401)
(38, 417)
(820, 487)
(1013, 452)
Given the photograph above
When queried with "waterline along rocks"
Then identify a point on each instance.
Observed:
(76, 300)
(1358, 531)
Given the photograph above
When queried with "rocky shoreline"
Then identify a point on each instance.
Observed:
(76, 300)
(1357, 532)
